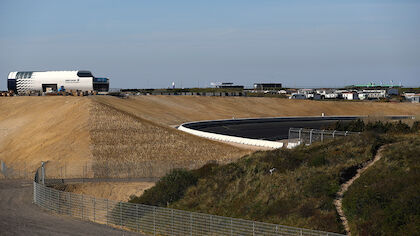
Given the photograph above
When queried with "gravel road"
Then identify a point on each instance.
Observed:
(18, 216)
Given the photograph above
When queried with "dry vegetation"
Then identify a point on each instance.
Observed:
(124, 145)
(35, 129)
(110, 190)
(300, 191)
(135, 137)
(174, 110)
(385, 199)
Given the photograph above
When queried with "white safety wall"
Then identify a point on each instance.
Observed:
(227, 138)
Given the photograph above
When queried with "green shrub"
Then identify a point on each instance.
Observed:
(168, 189)
(416, 126)
(321, 184)
(376, 127)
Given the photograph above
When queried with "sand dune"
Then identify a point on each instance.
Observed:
(35, 129)
(174, 110)
(57, 129)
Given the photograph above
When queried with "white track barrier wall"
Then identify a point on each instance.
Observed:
(263, 143)
(233, 139)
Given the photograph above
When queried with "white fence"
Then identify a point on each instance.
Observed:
(151, 220)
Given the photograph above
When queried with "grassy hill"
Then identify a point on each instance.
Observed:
(386, 199)
(299, 192)
(303, 182)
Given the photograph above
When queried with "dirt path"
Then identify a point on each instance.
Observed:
(18, 216)
(338, 202)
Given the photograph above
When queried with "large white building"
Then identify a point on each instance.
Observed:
(44, 81)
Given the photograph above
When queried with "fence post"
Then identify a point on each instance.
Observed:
(211, 220)
(154, 220)
(231, 226)
(94, 209)
(172, 219)
(68, 194)
(58, 203)
(345, 134)
(190, 223)
(83, 207)
(137, 218)
(34, 199)
(42, 173)
(121, 214)
(300, 134)
(333, 134)
(310, 137)
(50, 198)
(107, 212)
(322, 136)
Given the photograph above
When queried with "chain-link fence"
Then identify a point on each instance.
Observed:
(119, 169)
(11, 172)
(309, 136)
(151, 220)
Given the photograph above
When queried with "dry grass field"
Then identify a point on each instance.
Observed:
(110, 190)
(124, 145)
(35, 129)
(174, 110)
(132, 136)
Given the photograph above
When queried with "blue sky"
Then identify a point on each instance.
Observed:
(142, 44)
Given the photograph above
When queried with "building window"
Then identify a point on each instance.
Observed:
(84, 73)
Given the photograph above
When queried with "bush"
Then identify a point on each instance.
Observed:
(416, 126)
(321, 185)
(377, 126)
(168, 189)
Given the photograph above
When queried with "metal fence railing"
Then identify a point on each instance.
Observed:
(151, 220)
(308, 136)
(11, 172)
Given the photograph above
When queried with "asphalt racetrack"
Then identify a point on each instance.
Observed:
(272, 129)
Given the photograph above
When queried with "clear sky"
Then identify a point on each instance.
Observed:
(139, 44)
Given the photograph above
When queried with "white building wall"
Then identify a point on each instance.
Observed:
(69, 79)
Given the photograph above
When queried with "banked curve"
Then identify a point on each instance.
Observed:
(194, 128)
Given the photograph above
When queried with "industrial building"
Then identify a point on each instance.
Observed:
(267, 86)
(54, 81)
(228, 86)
